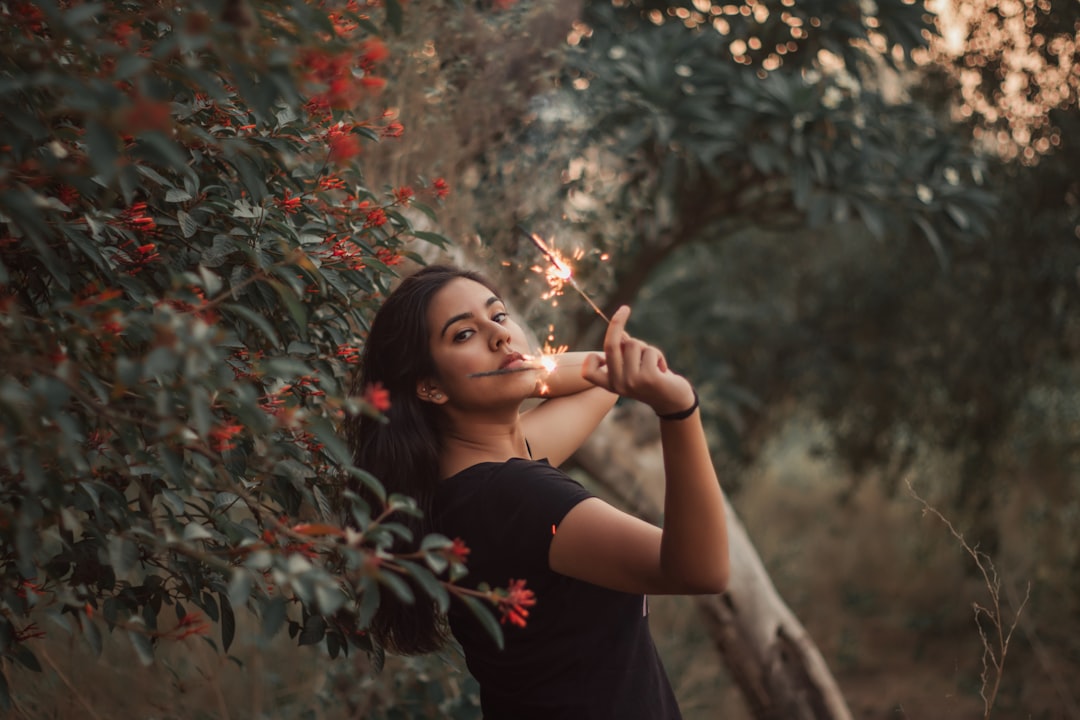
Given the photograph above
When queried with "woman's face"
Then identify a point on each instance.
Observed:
(470, 332)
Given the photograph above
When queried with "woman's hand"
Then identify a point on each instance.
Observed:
(634, 369)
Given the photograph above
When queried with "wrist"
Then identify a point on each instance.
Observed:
(687, 410)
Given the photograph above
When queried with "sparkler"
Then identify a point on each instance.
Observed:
(560, 272)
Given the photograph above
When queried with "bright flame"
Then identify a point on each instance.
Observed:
(548, 363)
(559, 273)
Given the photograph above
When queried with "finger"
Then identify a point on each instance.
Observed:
(633, 354)
(613, 340)
(653, 360)
(663, 362)
(594, 369)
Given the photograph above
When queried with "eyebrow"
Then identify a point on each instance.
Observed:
(466, 315)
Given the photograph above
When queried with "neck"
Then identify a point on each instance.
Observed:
(466, 442)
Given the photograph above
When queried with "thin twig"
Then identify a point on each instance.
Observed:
(994, 652)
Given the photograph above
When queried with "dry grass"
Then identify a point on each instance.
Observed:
(887, 595)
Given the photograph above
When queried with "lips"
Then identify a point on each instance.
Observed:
(512, 360)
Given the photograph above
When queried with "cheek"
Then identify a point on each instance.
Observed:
(519, 338)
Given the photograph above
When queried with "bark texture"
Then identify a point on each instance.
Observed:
(769, 654)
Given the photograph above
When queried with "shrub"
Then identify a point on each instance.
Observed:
(189, 256)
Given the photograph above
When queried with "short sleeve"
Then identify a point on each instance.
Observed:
(535, 498)
(507, 513)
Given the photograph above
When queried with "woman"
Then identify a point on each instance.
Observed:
(458, 370)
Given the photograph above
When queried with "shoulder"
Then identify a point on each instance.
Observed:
(510, 487)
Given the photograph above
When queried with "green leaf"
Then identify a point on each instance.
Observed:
(369, 481)
(197, 531)
(188, 225)
(25, 657)
(329, 597)
(228, 621)
(143, 647)
(435, 239)
(199, 404)
(314, 630)
(240, 584)
(934, 239)
(435, 541)
(486, 618)
(428, 583)
(123, 554)
(293, 304)
(326, 511)
(399, 587)
(101, 147)
(160, 149)
(7, 634)
(259, 321)
(328, 435)
(369, 602)
(394, 15)
(5, 693)
(177, 195)
(273, 615)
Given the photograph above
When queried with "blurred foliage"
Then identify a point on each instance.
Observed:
(904, 357)
(1008, 67)
(189, 256)
(712, 137)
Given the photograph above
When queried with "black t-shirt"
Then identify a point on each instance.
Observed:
(585, 652)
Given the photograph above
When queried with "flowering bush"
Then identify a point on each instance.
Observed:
(189, 256)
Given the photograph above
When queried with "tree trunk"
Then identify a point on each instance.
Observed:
(769, 654)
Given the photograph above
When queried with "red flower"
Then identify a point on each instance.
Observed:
(344, 146)
(191, 624)
(393, 130)
(135, 217)
(442, 189)
(144, 114)
(377, 396)
(222, 435)
(348, 353)
(375, 218)
(289, 204)
(90, 296)
(373, 83)
(372, 51)
(331, 183)
(388, 257)
(403, 194)
(332, 74)
(515, 602)
(123, 33)
(29, 17)
(458, 551)
(67, 195)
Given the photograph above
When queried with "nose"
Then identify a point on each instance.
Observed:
(498, 336)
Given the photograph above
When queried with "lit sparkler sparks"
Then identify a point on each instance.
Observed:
(559, 272)
(544, 362)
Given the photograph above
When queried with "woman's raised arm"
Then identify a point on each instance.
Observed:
(573, 408)
(598, 543)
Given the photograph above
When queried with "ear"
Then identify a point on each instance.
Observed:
(429, 391)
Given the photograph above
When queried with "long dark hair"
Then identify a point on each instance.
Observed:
(404, 452)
